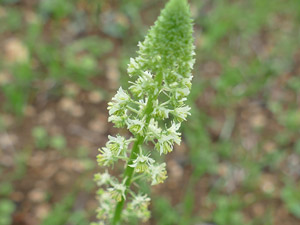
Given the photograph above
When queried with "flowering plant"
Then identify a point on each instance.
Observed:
(152, 109)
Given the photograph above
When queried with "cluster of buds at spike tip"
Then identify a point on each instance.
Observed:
(152, 110)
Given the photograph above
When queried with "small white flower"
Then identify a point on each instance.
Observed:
(133, 66)
(115, 109)
(105, 157)
(142, 104)
(102, 178)
(164, 144)
(173, 134)
(119, 121)
(181, 92)
(192, 62)
(153, 130)
(118, 145)
(117, 191)
(146, 76)
(136, 89)
(140, 200)
(136, 126)
(106, 204)
(142, 45)
(143, 85)
(173, 85)
(167, 138)
(187, 82)
(181, 113)
(121, 96)
(142, 162)
(139, 207)
(116, 106)
(158, 173)
(160, 111)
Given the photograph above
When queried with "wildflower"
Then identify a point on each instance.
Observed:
(143, 85)
(186, 82)
(161, 76)
(142, 162)
(116, 106)
(105, 201)
(118, 145)
(167, 138)
(117, 191)
(119, 121)
(180, 93)
(139, 207)
(181, 113)
(140, 201)
(153, 131)
(160, 111)
(158, 173)
(136, 126)
(142, 103)
(173, 134)
(102, 178)
(133, 66)
(164, 144)
(105, 157)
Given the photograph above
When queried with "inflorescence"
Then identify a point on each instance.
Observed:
(152, 109)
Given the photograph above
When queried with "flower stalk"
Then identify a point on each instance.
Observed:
(133, 156)
(152, 110)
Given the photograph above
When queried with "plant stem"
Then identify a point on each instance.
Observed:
(134, 153)
(127, 175)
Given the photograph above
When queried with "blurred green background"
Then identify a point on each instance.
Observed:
(61, 62)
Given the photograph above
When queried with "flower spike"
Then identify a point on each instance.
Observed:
(152, 109)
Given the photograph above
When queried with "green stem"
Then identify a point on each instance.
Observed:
(138, 177)
(134, 153)
(128, 176)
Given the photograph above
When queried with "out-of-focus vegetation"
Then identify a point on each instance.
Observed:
(61, 61)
